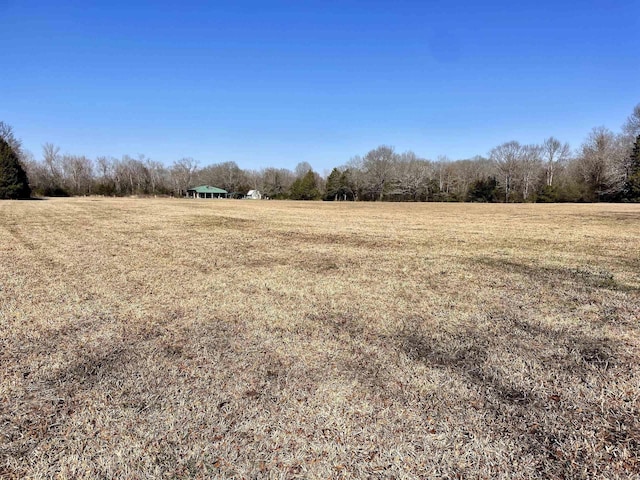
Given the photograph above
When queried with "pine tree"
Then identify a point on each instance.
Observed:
(333, 185)
(305, 188)
(13, 178)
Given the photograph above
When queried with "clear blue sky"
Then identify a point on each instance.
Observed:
(277, 83)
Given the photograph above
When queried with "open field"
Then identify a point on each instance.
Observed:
(237, 339)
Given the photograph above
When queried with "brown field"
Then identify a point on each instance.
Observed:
(145, 338)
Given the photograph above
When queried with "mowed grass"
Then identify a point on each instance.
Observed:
(157, 338)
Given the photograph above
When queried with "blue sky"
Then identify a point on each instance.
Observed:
(278, 83)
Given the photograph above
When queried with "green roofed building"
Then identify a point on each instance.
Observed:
(206, 191)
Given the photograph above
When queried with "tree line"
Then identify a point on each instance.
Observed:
(606, 167)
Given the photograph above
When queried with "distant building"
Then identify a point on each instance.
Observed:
(254, 195)
(206, 191)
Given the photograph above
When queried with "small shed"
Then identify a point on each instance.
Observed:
(254, 195)
(206, 191)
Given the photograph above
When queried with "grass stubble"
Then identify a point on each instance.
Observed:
(158, 338)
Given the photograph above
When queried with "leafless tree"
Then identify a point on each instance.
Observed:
(78, 174)
(631, 128)
(253, 179)
(120, 177)
(302, 169)
(182, 173)
(225, 175)
(412, 176)
(105, 179)
(530, 168)
(104, 167)
(379, 167)
(38, 178)
(628, 138)
(443, 173)
(465, 172)
(6, 133)
(53, 162)
(356, 174)
(127, 172)
(129, 175)
(601, 163)
(157, 176)
(507, 157)
(276, 182)
(554, 154)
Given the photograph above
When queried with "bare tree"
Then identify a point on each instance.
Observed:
(631, 128)
(357, 176)
(225, 175)
(157, 176)
(127, 171)
(630, 133)
(6, 133)
(253, 178)
(467, 172)
(104, 167)
(601, 163)
(106, 179)
(276, 182)
(78, 173)
(443, 172)
(119, 177)
(141, 174)
(519, 167)
(413, 176)
(182, 173)
(38, 178)
(507, 157)
(530, 168)
(53, 162)
(302, 169)
(554, 154)
(379, 167)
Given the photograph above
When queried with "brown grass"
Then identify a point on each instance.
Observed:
(239, 339)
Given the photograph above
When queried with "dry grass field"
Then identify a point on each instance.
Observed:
(157, 338)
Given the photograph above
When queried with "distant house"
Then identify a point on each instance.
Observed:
(206, 191)
(254, 195)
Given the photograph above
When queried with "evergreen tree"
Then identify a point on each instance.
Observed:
(333, 185)
(483, 190)
(305, 188)
(547, 194)
(632, 185)
(338, 186)
(13, 178)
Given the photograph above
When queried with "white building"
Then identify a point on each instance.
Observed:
(254, 195)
